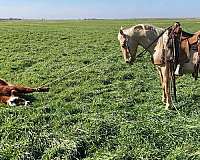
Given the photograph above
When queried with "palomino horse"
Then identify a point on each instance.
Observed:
(11, 94)
(143, 35)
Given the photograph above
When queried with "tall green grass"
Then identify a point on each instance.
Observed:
(109, 110)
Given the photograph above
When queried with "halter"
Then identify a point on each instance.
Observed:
(125, 44)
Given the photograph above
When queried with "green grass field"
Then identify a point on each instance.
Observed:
(106, 111)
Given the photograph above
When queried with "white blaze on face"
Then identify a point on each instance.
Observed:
(11, 101)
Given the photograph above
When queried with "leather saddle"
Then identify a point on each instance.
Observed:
(191, 37)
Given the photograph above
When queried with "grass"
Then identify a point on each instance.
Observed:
(109, 110)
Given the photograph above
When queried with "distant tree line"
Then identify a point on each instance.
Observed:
(1, 19)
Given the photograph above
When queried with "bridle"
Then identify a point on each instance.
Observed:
(125, 44)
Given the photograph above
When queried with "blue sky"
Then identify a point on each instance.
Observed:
(78, 9)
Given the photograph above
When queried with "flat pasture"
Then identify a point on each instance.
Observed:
(98, 107)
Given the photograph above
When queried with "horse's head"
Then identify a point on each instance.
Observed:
(128, 46)
(16, 101)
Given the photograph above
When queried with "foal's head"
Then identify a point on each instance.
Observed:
(16, 101)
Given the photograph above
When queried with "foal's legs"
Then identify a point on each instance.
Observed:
(17, 90)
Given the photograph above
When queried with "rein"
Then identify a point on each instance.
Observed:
(73, 72)
(174, 36)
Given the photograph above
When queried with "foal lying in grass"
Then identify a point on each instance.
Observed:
(12, 94)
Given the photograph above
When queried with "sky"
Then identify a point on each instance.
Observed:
(108, 9)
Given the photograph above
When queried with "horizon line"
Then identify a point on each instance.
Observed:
(137, 18)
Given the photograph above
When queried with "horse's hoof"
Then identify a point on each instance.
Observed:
(164, 100)
(43, 89)
(168, 106)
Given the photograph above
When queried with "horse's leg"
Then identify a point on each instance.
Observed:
(17, 90)
(166, 83)
(162, 85)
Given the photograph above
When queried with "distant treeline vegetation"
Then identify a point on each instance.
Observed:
(1, 19)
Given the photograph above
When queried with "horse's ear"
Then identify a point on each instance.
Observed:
(121, 32)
